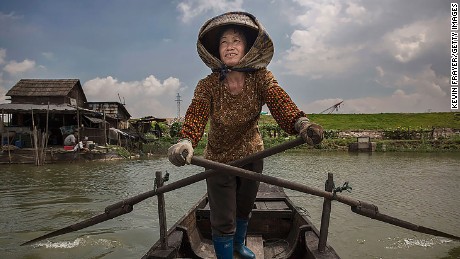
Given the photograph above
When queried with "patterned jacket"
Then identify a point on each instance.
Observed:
(234, 131)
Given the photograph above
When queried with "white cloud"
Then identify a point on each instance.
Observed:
(355, 11)
(418, 92)
(404, 44)
(193, 8)
(313, 53)
(311, 57)
(13, 67)
(426, 82)
(147, 97)
(411, 40)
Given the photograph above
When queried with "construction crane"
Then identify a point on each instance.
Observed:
(333, 108)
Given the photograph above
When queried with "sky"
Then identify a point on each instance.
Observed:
(375, 56)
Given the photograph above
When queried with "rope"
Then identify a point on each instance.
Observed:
(166, 177)
(344, 187)
(224, 70)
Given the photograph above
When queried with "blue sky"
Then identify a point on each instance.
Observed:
(376, 56)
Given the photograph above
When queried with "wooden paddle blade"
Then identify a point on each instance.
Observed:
(84, 224)
(373, 213)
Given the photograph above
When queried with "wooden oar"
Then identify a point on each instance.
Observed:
(126, 206)
(359, 207)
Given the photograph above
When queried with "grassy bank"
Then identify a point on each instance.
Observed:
(381, 121)
(442, 145)
(411, 122)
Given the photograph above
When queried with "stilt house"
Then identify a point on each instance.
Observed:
(56, 107)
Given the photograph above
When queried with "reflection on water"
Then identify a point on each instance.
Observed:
(420, 188)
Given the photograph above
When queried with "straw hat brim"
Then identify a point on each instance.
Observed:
(259, 45)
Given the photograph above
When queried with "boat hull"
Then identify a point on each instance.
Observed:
(277, 229)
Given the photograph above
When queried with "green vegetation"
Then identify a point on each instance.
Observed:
(175, 129)
(120, 151)
(382, 121)
(401, 131)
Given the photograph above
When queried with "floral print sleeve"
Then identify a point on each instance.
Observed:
(282, 108)
(197, 114)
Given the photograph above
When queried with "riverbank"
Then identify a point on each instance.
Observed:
(391, 132)
(452, 144)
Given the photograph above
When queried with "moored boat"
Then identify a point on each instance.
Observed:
(277, 229)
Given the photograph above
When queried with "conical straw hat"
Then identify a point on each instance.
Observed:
(259, 43)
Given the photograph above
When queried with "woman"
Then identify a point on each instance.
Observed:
(237, 49)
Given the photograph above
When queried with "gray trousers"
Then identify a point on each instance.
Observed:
(231, 197)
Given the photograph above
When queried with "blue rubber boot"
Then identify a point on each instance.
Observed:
(223, 246)
(238, 241)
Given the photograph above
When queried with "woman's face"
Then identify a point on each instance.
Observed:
(232, 47)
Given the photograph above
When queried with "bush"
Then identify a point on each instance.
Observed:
(331, 134)
(272, 131)
(175, 129)
(407, 133)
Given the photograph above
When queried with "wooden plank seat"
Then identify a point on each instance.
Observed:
(264, 208)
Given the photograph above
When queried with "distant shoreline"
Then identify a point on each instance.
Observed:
(391, 132)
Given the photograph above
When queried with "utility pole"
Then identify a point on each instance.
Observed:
(178, 100)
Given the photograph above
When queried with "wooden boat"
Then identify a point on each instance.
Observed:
(277, 229)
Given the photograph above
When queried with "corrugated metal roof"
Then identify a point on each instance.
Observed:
(95, 120)
(43, 87)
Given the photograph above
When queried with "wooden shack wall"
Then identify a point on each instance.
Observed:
(40, 99)
(78, 95)
(114, 110)
(109, 109)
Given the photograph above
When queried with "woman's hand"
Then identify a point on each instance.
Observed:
(177, 152)
(312, 133)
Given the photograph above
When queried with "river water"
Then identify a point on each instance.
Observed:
(422, 188)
